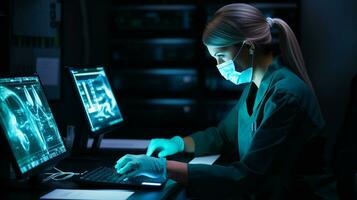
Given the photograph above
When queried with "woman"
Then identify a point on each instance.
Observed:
(275, 127)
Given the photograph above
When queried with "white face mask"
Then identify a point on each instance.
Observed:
(227, 70)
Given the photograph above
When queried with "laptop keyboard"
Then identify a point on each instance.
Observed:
(108, 177)
(105, 175)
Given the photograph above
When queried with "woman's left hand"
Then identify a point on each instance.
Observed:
(137, 165)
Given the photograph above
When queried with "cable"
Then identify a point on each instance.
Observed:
(61, 175)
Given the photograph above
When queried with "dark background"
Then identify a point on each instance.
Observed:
(161, 74)
(164, 81)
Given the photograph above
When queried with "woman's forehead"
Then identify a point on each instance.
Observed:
(216, 49)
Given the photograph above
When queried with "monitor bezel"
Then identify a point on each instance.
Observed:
(107, 129)
(49, 164)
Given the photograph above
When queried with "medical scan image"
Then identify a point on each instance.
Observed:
(28, 122)
(97, 98)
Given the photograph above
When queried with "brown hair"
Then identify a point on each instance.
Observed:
(237, 22)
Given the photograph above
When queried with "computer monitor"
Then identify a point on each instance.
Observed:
(28, 126)
(97, 98)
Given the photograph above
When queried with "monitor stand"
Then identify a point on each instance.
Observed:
(76, 140)
(96, 142)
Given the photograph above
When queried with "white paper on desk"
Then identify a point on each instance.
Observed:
(88, 194)
(208, 160)
(121, 143)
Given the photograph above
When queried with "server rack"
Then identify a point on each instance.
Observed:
(162, 74)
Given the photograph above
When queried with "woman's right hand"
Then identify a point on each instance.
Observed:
(166, 147)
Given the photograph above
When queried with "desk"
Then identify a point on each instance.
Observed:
(26, 191)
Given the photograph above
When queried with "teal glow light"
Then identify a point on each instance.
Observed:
(97, 97)
(28, 122)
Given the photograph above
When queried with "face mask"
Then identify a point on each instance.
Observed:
(227, 70)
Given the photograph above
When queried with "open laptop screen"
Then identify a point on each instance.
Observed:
(28, 123)
(96, 97)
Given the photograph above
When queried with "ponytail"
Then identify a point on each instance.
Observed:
(290, 49)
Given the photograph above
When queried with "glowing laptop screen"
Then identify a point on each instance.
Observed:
(97, 97)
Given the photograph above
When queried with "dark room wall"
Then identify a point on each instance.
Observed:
(328, 30)
(84, 32)
(327, 37)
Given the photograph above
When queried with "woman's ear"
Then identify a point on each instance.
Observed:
(251, 46)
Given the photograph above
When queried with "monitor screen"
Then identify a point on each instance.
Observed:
(96, 97)
(28, 123)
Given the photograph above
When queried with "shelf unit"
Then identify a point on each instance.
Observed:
(163, 77)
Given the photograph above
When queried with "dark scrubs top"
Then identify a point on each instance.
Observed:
(277, 131)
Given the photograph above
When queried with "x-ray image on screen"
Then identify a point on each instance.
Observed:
(28, 122)
(97, 97)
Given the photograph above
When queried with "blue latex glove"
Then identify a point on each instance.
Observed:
(141, 165)
(166, 147)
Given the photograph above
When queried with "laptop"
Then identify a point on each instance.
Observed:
(28, 128)
(31, 135)
(102, 111)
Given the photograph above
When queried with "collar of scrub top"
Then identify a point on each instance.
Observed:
(266, 81)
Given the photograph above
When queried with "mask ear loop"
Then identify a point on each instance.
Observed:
(251, 53)
(240, 49)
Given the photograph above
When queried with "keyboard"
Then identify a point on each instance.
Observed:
(107, 177)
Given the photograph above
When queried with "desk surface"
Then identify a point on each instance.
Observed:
(25, 190)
